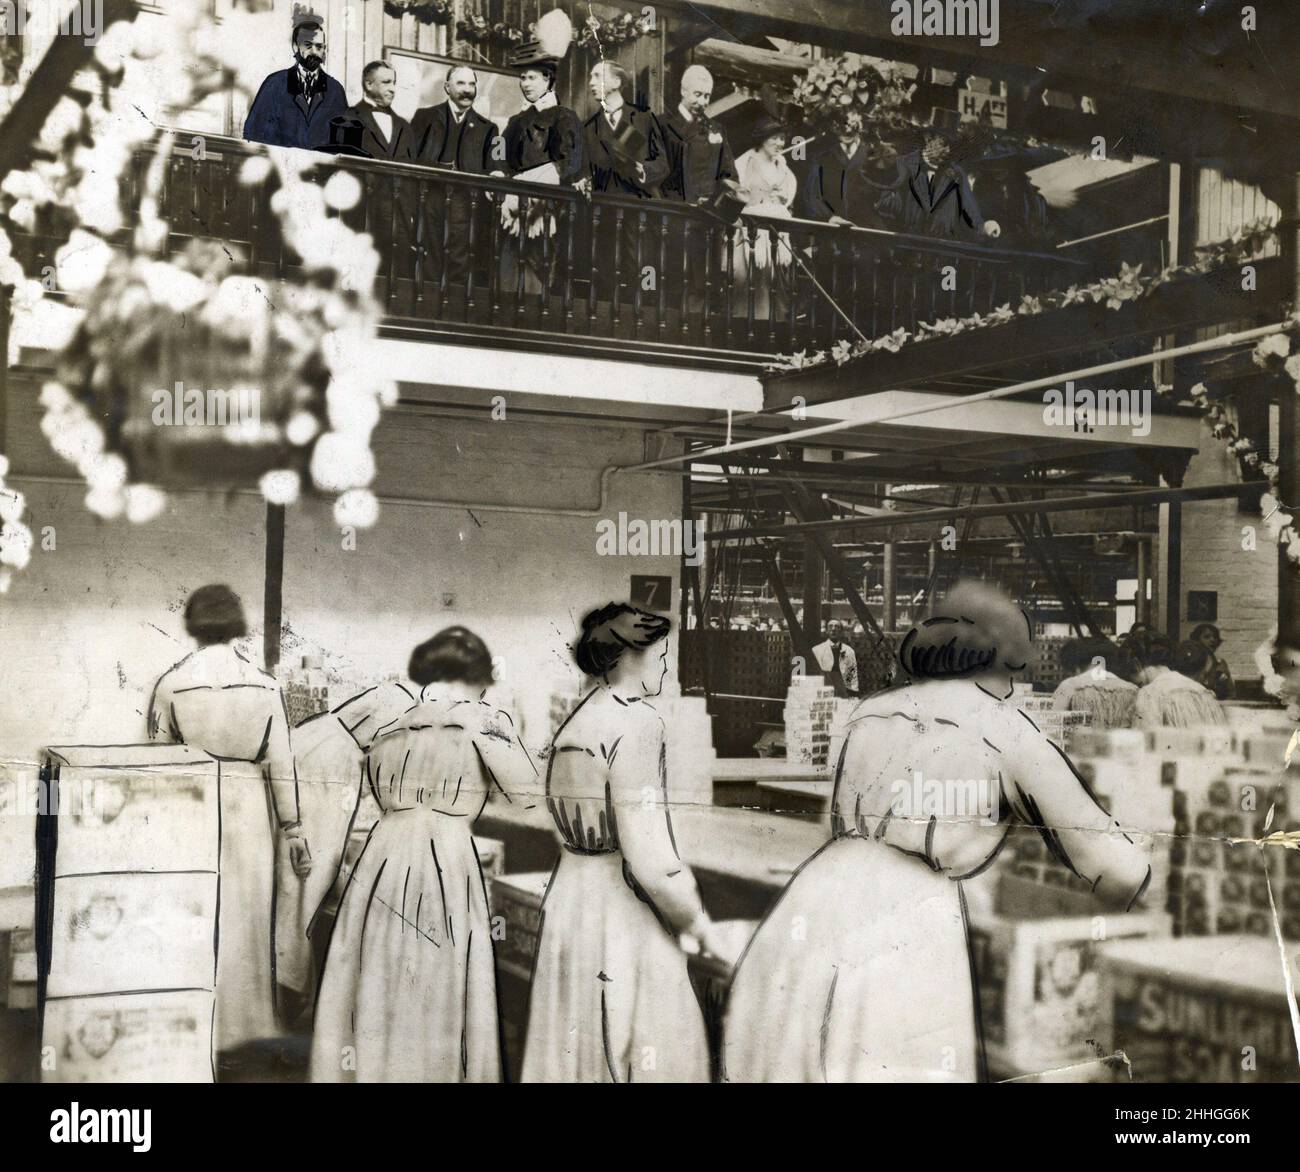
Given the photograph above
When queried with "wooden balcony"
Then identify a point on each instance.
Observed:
(614, 277)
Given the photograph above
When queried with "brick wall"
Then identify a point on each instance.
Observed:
(1213, 559)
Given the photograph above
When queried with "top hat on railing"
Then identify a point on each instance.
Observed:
(346, 136)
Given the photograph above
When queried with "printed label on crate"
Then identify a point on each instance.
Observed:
(1173, 1032)
(118, 933)
(151, 821)
(142, 1037)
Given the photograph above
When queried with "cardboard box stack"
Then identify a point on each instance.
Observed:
(1188, 793)
(809, 713)
(1131, 783)
(308, 688)
(130, 942)
(1061, 727)
(1041, 998)
(690, 746)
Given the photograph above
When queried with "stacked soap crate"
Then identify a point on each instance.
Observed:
(1239, 792)
(690, 752)
(1132, 783)
(127, 913)
(1045, 669)
(1062, 727)
(307, 690)
(809, 714)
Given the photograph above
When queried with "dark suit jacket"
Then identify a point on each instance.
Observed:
(373, 141)
(430, 126)
(613, 166)
(836, 185)
(283, 115)
(696, 166)
(946, 209)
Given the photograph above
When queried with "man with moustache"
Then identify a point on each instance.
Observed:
(294, 106)
(625, 148)
(454, 136)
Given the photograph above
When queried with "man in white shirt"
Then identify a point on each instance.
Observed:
(388, 135)
(837, 661)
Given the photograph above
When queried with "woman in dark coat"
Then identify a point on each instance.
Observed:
(543, 144)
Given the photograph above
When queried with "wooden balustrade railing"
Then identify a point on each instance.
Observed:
(606, 274)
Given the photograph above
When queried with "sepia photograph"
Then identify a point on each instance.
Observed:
(707, 542)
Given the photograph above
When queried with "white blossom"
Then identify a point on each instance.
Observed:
(15, 545)
(106, 501)
(280, 486)
(357, 508)
(256, 170)
(82, 262)
(174, 287)
(342, 191)
(301, 428)
(106, 471)
(339, 462)
(144, 502)
(12, 504)
(63, 120)
(353, 408)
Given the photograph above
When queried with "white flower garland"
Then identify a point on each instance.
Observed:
(142, 79)
(1272, 352)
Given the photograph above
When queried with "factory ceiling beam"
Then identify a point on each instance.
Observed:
(1043, 554)
(1062, 504)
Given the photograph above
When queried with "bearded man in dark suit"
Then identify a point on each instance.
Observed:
(294, 106)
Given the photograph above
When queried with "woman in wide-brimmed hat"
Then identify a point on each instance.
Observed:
(768, 187)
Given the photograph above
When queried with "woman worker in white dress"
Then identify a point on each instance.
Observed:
(409, 988)
(611, 1000)
(329, 753)
(861, 971)
(217, 701)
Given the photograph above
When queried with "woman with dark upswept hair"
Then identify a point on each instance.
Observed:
(409, 988)
(861, 972)
(217, 701)
(611, 1000)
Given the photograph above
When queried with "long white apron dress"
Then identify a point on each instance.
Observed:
(768, 187)
(408, 992)
(611, 1000)
(329, 752)
(861, 971)
(218, 701)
